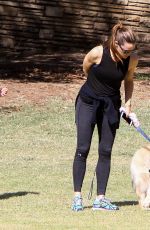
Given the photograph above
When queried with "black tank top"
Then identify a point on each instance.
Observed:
(105, 78)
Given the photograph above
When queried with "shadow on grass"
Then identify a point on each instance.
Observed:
(126, 203)
(58, 67)
(120, 204)
(55, 67)
(15, 194)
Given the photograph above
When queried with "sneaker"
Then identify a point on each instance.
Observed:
(104, 204)
(77, 204)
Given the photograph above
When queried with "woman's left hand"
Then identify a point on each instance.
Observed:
(128, 110)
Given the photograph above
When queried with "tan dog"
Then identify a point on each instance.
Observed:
(140, 173)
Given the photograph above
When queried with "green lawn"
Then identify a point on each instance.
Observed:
(37, 147)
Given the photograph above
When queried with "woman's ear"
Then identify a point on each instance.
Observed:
(116, 43)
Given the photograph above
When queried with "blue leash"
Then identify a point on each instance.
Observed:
(143, 133)
(130, 122)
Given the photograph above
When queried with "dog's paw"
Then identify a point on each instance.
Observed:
(147, 209)
(146, 203)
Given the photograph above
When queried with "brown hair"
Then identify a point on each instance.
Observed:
(121, 34)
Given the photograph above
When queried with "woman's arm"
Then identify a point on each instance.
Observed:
(128, 83)
(93, 57)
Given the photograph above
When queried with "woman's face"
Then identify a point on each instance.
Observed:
(126, 49)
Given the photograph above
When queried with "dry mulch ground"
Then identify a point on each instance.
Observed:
(33, 79)
(38, 93)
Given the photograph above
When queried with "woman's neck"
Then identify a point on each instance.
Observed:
(115, 57)
(112, 55)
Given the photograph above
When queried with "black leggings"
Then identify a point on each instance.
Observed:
(106, 133)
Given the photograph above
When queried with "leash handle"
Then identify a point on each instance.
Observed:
(127, 119)
(91, 187)
(131, 119)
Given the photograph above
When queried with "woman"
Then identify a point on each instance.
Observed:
(98, 103)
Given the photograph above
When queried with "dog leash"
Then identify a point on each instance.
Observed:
(143, 133)
(132, 120)
(91, 187)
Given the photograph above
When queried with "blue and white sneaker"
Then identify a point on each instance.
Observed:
(104, 204)
(77, 204)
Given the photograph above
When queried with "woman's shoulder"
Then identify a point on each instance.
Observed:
(96, 53)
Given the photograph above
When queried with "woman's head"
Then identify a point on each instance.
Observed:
(122, 41)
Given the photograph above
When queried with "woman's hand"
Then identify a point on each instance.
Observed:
(3, 91)
(128, 110)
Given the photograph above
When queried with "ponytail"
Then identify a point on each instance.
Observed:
(115, 29)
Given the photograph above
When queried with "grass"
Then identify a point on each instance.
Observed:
(37, 147)
(142, 76)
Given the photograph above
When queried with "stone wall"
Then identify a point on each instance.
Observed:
(48, 24)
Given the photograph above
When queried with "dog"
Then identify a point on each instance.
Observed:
(140, 175)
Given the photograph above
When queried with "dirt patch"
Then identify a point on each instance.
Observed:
(38, 93)
(34, 78)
